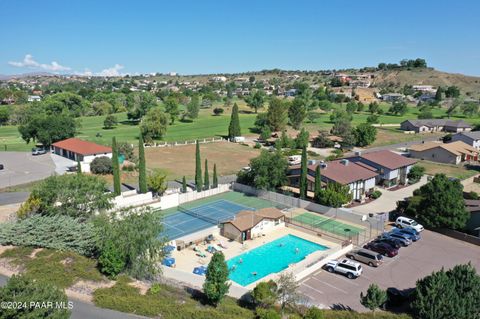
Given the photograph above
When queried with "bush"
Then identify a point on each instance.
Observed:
(218, 111)
(56, 232)
(257, 145)
(265, 293)
(314, 313)
(375, 194)
(267, 314)
(20, 289)
(101, 165)
(415, 174)
(110, 121)
(472, 195)
(111, 261)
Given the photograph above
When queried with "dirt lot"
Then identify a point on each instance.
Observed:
(180, 160)
(431, 253)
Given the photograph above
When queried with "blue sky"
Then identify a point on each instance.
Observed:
(190, 37)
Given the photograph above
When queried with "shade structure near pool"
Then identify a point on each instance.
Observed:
(270, 258)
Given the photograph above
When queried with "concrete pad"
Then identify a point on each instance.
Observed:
(23, 167)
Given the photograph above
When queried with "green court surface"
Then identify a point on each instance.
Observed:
(328, 224)
(235, 197)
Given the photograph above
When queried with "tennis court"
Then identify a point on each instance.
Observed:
(328, 224)
(189, 220)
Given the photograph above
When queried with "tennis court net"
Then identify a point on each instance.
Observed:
(197, 215)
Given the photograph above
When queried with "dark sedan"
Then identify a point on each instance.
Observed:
(395, 243)
(382, 248)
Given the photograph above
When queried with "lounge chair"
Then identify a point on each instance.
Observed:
(222, 244)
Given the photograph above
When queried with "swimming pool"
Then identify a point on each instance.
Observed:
(270, 258)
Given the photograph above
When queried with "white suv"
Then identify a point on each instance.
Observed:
(345, 266)
(403, 222)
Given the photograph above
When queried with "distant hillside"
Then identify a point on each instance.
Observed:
(469, 85)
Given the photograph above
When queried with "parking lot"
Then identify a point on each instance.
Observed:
(22, 167)
(412, 263)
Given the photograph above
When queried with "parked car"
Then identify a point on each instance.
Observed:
(404, 240)
(396, 243)
(38, 151)
(412, 233)
(366, 256)
(403, 222)
(346, 267)
(382, 248)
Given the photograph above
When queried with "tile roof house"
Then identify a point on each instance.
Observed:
(249, 224)
(435, 125)
(448, 153)
(392, 168)
(360, 179)
(470, 138)
(78, 150)
(473, 224)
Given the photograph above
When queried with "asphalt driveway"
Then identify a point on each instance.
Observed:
(22, 167)
(431, 253)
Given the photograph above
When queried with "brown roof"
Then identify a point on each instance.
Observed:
(388, 159)
(456, 148)
(82, 147)
(247, 219)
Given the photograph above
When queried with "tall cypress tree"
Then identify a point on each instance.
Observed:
(206, 179)
(116, 168)
(79, 168)
(303, 175)
(234, 127)
(318, 184)
(184, 185)
(215, 178)
(198, 169)
(142, 177)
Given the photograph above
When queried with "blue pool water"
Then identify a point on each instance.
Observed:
(270, 258)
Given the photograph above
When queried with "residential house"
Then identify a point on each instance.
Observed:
(424, 88)
(392, 97)
(470, 138)
(435, 125)
(448, 153)
(34, 98)
(473, 224)
(78, 150)
(250, 224)
(359, 179)
(392, 168)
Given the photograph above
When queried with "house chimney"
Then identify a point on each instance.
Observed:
(344, 162)
(358, 153)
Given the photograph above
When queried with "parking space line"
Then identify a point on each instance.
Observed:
(350, 281)
(314, 289)
(331, 286)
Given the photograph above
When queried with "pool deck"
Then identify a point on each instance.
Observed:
(187, 259)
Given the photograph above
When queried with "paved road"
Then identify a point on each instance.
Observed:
(83, 310)
(431, 253)
(13, 197)
(22, 167)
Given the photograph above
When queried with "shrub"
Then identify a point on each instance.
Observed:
(267, 314)
(218, 111)
(56, 232)
(111, 260)
(156, 182)
(101, 165)
(375, 194)
(265, 293)
(110, 121)
(415, 174)
(472, 195)
(314, 313)
(257, 145)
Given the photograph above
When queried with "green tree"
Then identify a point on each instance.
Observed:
(206, 179)
(415, 174)
(215, 178)
(302, 139)
(303, 175)
(335, 195)
(79, 168)
(110, 121)
(265, 293)
(4, 115)
(154, 125)
(48, 129)
(318, 184)
(469, 109)
(297, 112)
(116, 168)
(351, 107)
(23, 290)
(372, 119)
(314, 313)
(373, 107)
(256, 100)
(216, 280)
(452, 91)
(193, 107)
(277, 114)
(101, 165)
(453, 105)
(364, 134)
(157, 182)
(77, 195)
(439, 94)
(234, 126)
(287, 290)
(269, 170)
(184, 185)
(441, 203)
(142, 167)
(138, 104)
(171, 107)
(425, 114)
(398, 108)
(112, 260)
(198, 168)
(454, 293)
(374, 298)
(265, 133)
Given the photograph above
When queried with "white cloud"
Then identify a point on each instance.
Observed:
(113, 71)
(29, 62)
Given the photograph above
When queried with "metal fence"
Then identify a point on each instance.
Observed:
(372, 225)
(187, 142)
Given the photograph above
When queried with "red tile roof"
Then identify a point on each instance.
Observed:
(82, 147)
(388, 159)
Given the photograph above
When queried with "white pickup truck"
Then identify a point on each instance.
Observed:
(346, 267)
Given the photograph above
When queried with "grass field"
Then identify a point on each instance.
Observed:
(457, 171)
(208, 125)
(393, 135)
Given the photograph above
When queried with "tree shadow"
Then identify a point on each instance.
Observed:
(340, 306)
(246, 112)
(185, 120)
(129, 122)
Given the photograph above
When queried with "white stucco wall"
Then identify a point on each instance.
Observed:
(265, 226)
